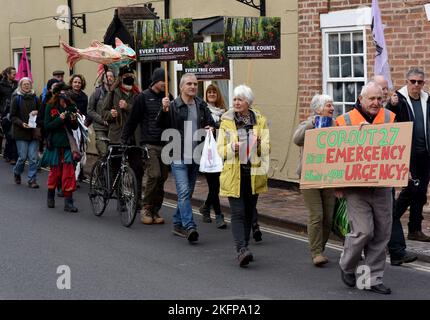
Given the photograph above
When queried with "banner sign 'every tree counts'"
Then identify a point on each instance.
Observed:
(370, 156)
(164, 40)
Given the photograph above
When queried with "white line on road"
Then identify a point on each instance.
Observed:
(284, 234)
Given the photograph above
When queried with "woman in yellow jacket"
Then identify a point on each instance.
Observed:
(243, 143)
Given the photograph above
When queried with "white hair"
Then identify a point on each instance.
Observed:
(367, 86)
(319, 100)
(245, 92)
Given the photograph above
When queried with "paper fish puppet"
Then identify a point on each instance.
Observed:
(100, 53)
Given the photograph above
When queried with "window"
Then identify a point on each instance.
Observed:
(344, 63)
(17, 55)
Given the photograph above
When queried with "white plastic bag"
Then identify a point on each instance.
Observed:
(210, 160)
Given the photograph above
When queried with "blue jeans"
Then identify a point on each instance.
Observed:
(27, 150)
(185, 179)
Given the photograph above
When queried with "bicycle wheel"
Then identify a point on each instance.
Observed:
(128, 196)
(99, 189)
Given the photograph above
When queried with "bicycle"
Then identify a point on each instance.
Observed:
(124, 184)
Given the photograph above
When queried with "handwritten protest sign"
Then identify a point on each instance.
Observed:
(375, 155)
(210, 62)
(164, 40)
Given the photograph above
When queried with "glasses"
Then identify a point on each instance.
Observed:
(419, 82)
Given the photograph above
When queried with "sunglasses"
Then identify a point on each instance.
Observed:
(420, 82)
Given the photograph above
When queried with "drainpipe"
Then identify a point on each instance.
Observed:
(71, 40)
(262, 8)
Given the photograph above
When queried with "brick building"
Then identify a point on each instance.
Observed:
(336, 50)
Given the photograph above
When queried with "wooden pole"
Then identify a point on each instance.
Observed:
(166, 79)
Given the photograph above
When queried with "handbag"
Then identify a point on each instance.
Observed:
(210, 160)
(76, 154)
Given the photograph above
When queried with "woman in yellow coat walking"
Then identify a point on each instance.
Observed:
(243, 143)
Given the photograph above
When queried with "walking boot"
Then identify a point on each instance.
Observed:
(156, 219)
(146, 216)
(68, 205)
(51, 198)
(220, 223)
(206, 212)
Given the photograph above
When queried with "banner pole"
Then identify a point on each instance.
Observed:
(166, 79)
(249, 74)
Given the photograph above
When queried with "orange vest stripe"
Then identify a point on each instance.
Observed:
(354, 118)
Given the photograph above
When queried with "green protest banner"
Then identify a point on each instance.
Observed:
(252, 37)
(210, 62)
(370, 156)
(164, 40)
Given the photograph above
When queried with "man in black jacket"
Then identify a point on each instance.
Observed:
(187, 114)
(146, 107)
(413, 105)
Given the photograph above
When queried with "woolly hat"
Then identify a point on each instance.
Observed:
(157, 75)
(125, 70)
(51, 82)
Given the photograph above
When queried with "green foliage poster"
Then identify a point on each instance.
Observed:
(252, 37)
(210, 62)
(164, 40)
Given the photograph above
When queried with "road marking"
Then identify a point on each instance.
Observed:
(285, 234)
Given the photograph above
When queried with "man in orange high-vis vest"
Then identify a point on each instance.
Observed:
(369, 208)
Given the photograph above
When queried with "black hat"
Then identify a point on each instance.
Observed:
(58, 73)
(61, 87)
(51, 82)
(125, 70)
(157, 75)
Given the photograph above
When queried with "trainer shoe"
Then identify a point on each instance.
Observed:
(244, 257)
(178, 230)
(192, 235)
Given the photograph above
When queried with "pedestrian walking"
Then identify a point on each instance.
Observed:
(244, 144)
(413, 105)
(369, 208)
(117, 108)
(60, 120)
(23, 114)
(186, 114)
(217, 107)
(8, 85)
(95, 111)
(146, 107)
(319, 202)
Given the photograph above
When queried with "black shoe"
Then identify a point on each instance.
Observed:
(206, 212)
(256, 233)
(68, 205)
(179, 231)
(207, 218)
(418, 236)
(348, 278)
(17, 178)
(220, 223)
(406, 258)
(379, 288)
(244, 257)
(192, 235)
(51, 203)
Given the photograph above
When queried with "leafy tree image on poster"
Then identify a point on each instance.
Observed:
(209, 62)
(252, 37)
(162, 40)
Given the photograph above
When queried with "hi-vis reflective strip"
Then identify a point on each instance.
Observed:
(284, 234)
(347, 118)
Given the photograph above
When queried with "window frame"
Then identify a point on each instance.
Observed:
(326, 66)
(16, 56)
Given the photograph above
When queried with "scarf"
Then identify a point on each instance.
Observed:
(216, 112)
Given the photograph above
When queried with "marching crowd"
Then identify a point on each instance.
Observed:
(51, 131)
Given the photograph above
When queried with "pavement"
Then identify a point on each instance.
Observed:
(283, 206)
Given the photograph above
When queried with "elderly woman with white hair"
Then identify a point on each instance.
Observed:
(243, 143)
(25, 105)
(320, 202)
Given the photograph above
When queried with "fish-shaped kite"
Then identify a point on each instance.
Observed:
(101, 53)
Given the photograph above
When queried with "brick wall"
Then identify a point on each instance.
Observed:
(407, 36)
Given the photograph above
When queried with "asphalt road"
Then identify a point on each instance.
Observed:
(109, 261)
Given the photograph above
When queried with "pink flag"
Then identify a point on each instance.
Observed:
(381, 59)
(24, 67)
